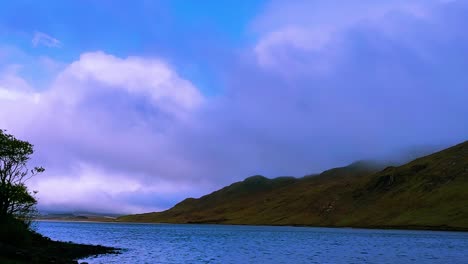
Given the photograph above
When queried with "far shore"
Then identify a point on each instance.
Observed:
(403, 228)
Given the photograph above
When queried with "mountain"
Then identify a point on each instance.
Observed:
(427, 193)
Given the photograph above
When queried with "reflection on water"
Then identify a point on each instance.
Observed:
(166, 243)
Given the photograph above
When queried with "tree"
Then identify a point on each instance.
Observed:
(15, 198)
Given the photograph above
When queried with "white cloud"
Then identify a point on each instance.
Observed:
(137, 76)
(40, 38)
(14, 89)
(113, 114)
(10, 95)
(94, 189)
(287, 31)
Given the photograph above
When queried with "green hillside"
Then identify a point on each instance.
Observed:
(428, 193)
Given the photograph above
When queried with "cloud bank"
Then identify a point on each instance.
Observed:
(104, 122)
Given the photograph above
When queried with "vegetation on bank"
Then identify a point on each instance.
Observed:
(18, 242)
(427, 193)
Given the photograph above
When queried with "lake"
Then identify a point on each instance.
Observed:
(167, 243)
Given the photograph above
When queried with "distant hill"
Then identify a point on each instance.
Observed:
(428, 193)
(77, 216)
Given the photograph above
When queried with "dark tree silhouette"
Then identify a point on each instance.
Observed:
(15, 199)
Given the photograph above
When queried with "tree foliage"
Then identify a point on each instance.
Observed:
(15, 198)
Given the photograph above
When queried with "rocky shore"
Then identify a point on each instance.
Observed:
(44, 250)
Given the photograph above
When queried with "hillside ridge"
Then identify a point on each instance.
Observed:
(426, 193)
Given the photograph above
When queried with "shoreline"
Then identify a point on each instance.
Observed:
(45, 250)
(19, 244)
(380, 227)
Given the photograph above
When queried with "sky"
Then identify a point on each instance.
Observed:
(136, 105)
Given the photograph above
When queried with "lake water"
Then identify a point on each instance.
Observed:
(166, 243)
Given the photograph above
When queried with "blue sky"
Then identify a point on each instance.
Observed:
(139, 104)
(181, 31)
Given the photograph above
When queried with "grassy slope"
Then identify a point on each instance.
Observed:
(430, 192)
